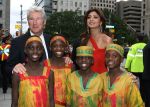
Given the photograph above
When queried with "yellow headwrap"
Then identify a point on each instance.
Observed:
(33, 38)
(58, 38)
(116, 48)
(84, 51)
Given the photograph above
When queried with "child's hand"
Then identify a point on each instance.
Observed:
(19, 68)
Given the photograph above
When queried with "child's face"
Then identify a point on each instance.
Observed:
(84, 62)
(58, 48)
(113, 59)
(34, 51)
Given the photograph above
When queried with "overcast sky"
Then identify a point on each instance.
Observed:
(15, 13)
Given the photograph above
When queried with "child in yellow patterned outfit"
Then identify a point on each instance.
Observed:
(119, 90)
(57, 63)
(84, 87)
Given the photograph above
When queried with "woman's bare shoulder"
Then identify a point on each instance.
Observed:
(107, 39)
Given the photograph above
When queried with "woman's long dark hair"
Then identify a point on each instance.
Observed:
(85, 39)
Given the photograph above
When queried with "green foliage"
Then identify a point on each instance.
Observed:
(71, 25)
(68, 23)
(122, 33)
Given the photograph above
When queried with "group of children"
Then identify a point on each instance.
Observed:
(53, 83)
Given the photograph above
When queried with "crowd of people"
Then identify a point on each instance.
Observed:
(44, 76)
(5, 40)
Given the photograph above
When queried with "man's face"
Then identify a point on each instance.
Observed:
(36, 23)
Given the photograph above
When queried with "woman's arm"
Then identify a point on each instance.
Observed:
(15, 90)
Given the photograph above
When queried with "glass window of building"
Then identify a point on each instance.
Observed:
(61, 2)
(0, 13)
(55, 3)
(143, 13)
(0, 1)
(75, 4)
(1, 26)
(80, 4)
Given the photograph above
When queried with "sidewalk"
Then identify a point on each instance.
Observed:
(5, 99)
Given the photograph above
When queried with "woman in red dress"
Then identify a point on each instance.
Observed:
(95, 24)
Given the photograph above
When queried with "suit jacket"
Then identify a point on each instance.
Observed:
(16, 54)
(146, 62)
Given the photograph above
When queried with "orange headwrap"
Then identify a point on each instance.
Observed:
(33, 38)
(58, 38)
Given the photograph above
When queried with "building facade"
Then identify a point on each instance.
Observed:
(103, 4)
(46, 4)
(71, 5)
(145, 19)
(82, 6)
(51, 6)
(5, 14)
(130, 12)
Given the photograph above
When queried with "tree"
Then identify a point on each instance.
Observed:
(68, 23)
(122, 32)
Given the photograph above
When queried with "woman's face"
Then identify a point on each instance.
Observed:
(93, 20)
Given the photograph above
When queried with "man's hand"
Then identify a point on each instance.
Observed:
(19, 68)
(68, 60)
(134, 79)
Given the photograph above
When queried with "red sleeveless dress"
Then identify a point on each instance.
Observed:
(99, 58)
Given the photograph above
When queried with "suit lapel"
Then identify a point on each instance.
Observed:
(47, 42)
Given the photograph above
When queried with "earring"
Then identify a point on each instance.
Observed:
(100, 27)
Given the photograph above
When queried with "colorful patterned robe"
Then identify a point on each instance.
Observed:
(60, 75)
(78, 96)
(33, 90)
(122, 93)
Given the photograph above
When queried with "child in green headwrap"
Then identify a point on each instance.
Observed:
(84, 87)
(119, 88)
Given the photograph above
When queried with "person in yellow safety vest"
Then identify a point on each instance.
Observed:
(134, 61)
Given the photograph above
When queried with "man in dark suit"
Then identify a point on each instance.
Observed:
(146, 75)
(36, 20)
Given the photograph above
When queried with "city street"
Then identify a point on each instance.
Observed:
(5, 99)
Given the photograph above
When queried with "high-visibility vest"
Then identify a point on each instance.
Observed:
(134, 61)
